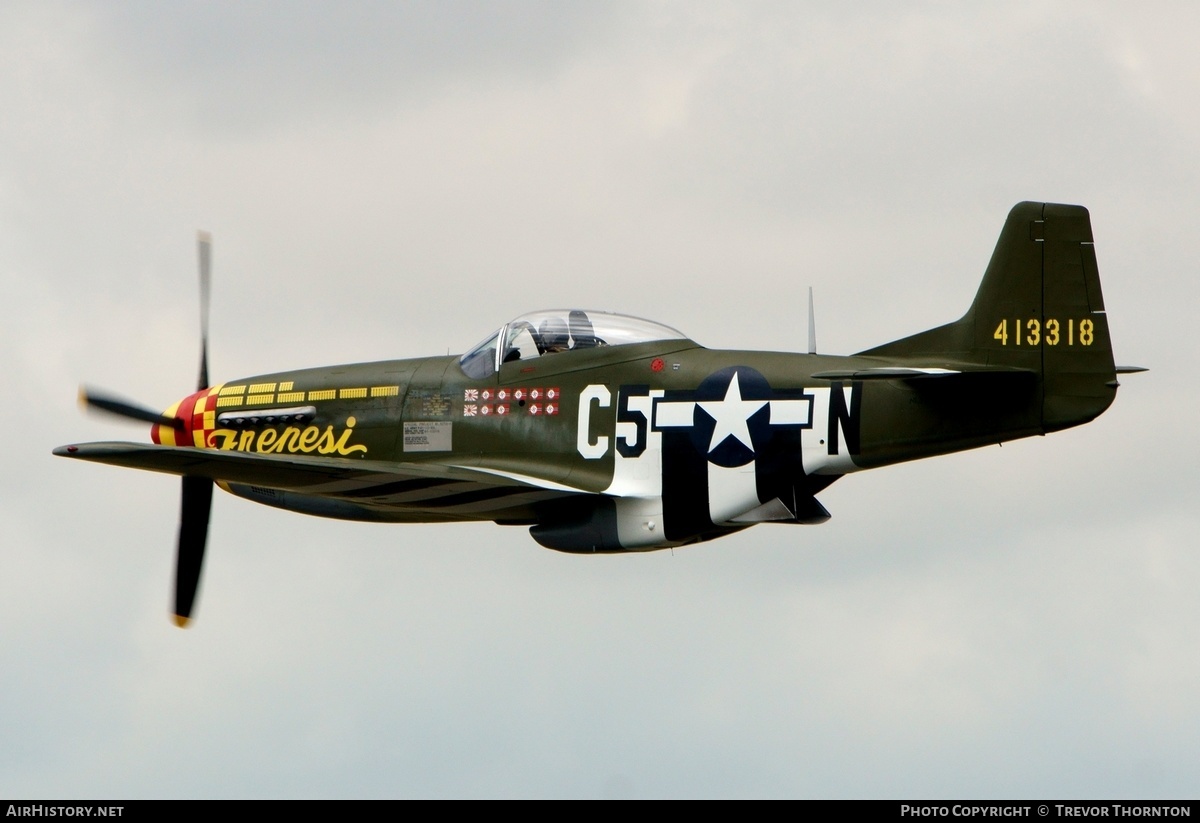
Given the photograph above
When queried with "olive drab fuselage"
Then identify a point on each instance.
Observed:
(607, 433)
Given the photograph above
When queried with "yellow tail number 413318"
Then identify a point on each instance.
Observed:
(1030, 332)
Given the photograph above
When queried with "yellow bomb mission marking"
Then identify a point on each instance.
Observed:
(290, 440)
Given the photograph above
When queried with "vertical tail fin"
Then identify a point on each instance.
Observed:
(1039, 309)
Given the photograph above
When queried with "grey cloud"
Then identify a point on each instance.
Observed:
(254, 65)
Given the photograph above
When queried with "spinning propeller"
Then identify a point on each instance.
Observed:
(196, 502)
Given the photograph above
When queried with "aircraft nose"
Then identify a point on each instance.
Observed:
(197, 413)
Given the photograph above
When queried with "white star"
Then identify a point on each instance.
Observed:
(731, 415)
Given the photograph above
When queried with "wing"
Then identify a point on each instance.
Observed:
(347, 489)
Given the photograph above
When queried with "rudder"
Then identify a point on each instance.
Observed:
(1081, 380)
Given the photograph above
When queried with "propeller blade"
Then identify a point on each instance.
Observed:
(196, 502)
(193, 535)
(204, 248)
(123, 408)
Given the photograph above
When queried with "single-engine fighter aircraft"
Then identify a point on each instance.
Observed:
(607, 433)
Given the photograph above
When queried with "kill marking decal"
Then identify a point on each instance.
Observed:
(537, 401)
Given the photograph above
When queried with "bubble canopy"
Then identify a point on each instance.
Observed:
(552, 331)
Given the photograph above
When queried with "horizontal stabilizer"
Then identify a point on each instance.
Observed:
(912, 372)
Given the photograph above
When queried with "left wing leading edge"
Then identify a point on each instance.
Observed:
(364, 489)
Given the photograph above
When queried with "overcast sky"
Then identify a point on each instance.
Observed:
(392, 180)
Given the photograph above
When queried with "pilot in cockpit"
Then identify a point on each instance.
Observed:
(549, 332)
(581, 331)
(553, 336)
